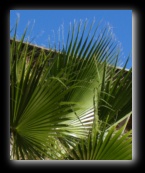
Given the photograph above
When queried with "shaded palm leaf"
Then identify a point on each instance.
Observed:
(103, 145)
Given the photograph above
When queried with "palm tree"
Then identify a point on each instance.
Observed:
(67, 104)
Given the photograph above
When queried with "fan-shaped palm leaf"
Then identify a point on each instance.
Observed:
(102, 144)
(52, 93)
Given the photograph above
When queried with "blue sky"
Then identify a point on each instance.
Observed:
(46, 24)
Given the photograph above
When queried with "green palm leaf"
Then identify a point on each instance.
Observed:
(51, 96)
(108, 144)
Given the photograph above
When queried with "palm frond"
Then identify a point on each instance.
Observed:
(52, 101)
(103, 145)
